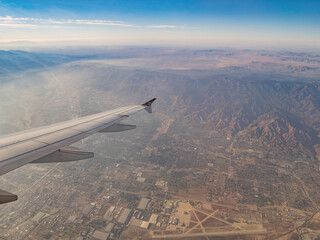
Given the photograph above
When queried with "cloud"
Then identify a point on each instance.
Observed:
(19, 22)
(15, 25)
(91, 22)
(163, 26)
(9, 21)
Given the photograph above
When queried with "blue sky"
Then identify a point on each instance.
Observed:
(196, 23)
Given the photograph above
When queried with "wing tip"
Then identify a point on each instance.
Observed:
(149, 103)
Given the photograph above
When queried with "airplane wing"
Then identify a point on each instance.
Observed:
(51, 143)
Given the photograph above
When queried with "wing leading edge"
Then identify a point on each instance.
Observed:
(51, 143)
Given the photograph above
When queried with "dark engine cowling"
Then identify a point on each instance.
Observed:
(6, 197)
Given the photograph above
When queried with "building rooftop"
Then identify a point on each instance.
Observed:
(140, 179)
(110, 212)
(109, 227)
(125, 215)
(72, 218)
(37, 218)
(145, 224)
(100, 235)
(88, 209)
(143, 203)
(136, 222)
(154, 218)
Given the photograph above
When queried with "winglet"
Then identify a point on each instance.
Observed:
(148, 104)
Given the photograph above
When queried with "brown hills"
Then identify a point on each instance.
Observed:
(279, 113)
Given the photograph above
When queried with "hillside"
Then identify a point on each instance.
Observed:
(17, 61)
(278, 113)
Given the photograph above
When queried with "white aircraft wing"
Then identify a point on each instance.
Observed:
(51, 143)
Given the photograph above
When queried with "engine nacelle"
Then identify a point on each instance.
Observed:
(6, 197)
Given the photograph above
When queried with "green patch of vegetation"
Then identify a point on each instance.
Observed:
(264, 201)
(165, 177)
(220, 161)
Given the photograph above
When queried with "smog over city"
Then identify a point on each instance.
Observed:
(230, 150)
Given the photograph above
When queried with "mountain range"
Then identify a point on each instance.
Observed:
(278, 113)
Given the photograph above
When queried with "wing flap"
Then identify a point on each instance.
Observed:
(118, 128)
(65, 154)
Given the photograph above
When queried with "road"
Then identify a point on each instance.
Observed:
(228, 233)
